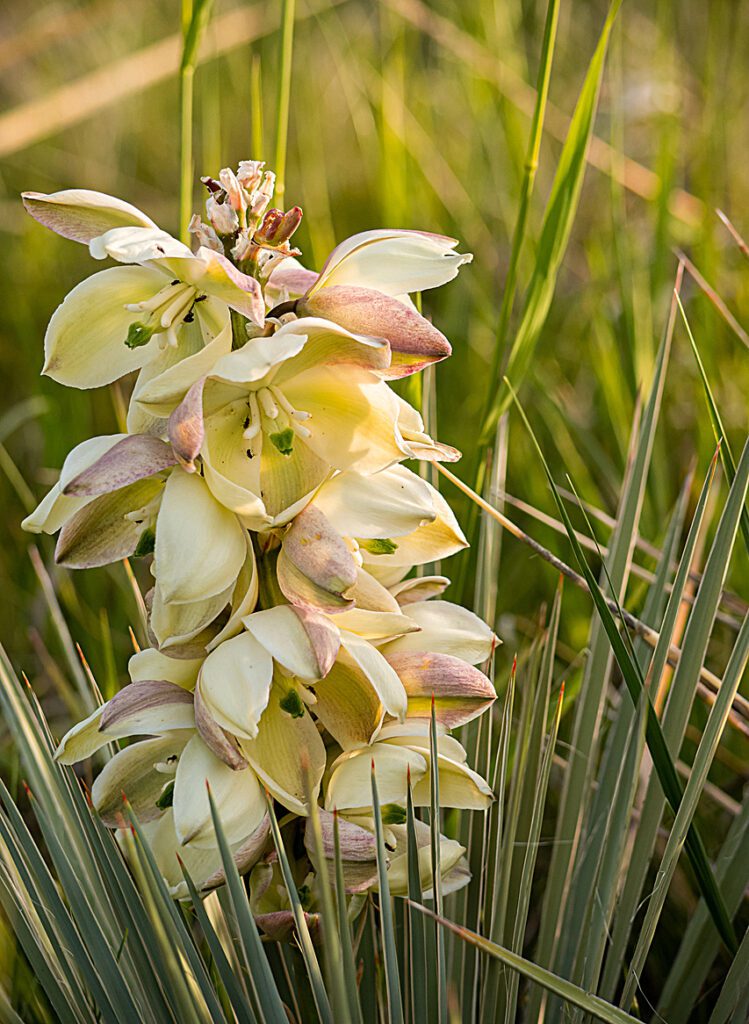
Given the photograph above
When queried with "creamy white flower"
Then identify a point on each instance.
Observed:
(164, 304)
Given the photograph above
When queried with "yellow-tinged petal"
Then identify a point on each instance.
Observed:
(306, 651)
(235, 683)
(350, 782)
(152, 664)
(141, 772)
(200, 545)
(383, 678)
(286, 747)
(446, 628)
(237, 794)
(392, 503)
(81, 214)
(84, 346)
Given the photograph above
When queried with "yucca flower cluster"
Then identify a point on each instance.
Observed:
(262, 472)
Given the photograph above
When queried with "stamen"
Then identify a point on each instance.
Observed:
(269, 407)
(179, 306)
(288, 408)
(255, 425)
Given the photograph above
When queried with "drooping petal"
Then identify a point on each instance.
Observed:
(243, 599)
(288, 280)
(314, 566)
(183, 630)
(288, 753)
(237, 794)
(213, 274)
(392, 261)
(133, 458)
(218, 740)
(147, 707)
(428, 543)
(461, 693)
(358, 851)
(186, 428)
(329, 344)
(376, 614)
(420, 588)
(232, 469)
(414, 341)
(352, 417)
(255, 359)
(100, 532)
(415, 732)
(81, 214)
(460, 786)
(200, 546)
(446, 628)
(152, 664)
(235, 684)
(137, 244)
(383, 678)
(84, 346)
(392, 503)
(350, 782)
(304, 643)
(143, 773)
(56, 508)
(451, 853)
(417, 443)
(348, 704)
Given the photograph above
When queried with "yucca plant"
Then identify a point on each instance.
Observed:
(598, 808)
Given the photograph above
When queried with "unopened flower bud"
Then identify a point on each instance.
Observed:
(233, 189)
(222, 216)
(250, 174)
(271, 224)
(264, 194)
(205, 235)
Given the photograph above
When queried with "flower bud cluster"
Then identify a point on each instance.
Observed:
(295, 639)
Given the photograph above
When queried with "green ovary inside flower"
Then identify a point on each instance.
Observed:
(165, 312)
(271, 412)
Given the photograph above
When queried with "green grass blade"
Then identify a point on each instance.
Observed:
(435, 819)
(344, 928)
(237, 997)
(322, 1003)
(555, 231)
(282, 97)
(268, 1002)
(662, 760)
(703, 759)
(733, 1001)
(529, 860)
(560, 987)
(201, 10)
(420, 988)
(392, 974)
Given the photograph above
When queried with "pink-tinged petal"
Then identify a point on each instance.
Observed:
(147, 706)
(288, 280)
(186, 427)
(101, 531)
(245, 855)
(218, 740)
(393, 261)
(314, 566)
(81, 214)
(358, 850)
(461, 692)
(133, 458)
(278, 925)
(323, 636)
(414, 342)
(419, 589)
(215, 275)
(303, 641)
(330, 344)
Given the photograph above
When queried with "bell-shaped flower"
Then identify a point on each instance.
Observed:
(283, 412)
(364, 286)
(383, 524)
(402, 752)
(135, 494)
(164, 304)
(251, 701)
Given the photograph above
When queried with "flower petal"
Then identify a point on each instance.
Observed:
(314, 566)
(392, 503)
(137, 244)
(460, 692)
(350, 782)
(287, 748)
(352, 417)
(243, 599)
(392, 261)
(133, 458)
(329, 344)
(239, 799)
(348, 705)
(186, 428)
(84, 346)
(446, 628)
(460, 786)
(428, 543)
(190, 623)
(421, 588)
(100, 532)
(140, 773)
(414, 341)
(304, 643)
(56, 508)
(383, 678)
(215, 275)
(235, 683)
(218, 740)
(81, 214)
(148, 707)
(152, 664)
(288, 280)
(200, 546)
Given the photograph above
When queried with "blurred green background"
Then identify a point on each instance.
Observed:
(402, 113)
